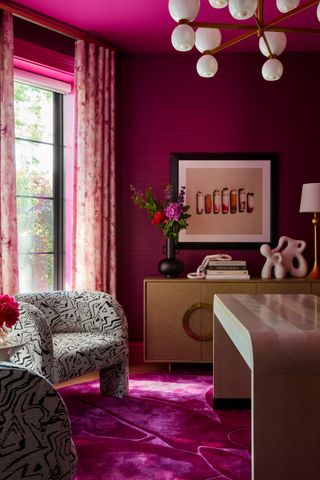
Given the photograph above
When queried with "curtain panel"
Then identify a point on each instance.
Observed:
(9, 273)
(94, 229)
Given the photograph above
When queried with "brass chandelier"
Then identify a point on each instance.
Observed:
(206, 37)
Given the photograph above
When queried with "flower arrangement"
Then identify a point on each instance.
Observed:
(171, 216)
(9, 314)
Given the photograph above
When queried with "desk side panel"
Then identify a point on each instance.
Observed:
(209, 289)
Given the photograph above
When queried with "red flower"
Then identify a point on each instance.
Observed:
(9, 311)
(158, 218)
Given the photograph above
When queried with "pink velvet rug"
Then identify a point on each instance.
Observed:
(165, 430)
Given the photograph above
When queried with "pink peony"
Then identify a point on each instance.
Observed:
(9, 311)
(174, 211)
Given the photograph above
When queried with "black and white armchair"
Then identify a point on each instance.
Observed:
(71, 333)
(35, 434)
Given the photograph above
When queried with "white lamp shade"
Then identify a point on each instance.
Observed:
(318, 12)
(242, 9)
(207, 66)
(207, 39)
(183, 38)
(218, 3)
(272, 69)
(285, 6)
(277, 42)
(310, 198)
(184, 9)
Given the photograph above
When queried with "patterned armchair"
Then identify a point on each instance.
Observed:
(35, 434)
(71, 333)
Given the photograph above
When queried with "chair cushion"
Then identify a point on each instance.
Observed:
(77, 353)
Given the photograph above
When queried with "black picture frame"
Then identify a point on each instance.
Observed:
(253, 176)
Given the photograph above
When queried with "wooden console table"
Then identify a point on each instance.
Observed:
(268, 347)
(178, 313)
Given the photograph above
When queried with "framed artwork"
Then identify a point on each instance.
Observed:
(232, 198)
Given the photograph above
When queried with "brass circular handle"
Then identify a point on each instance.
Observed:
(186, 318)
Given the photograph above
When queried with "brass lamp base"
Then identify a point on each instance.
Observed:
(315, 272)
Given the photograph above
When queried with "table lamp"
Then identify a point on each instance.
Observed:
(310, 202)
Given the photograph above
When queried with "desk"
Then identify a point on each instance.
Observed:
(267, 347)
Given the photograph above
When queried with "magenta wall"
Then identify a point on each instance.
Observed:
(164, 107)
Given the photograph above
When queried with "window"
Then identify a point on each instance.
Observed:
(39, 172)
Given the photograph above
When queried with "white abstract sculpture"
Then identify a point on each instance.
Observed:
(285, 258)
(273, 260)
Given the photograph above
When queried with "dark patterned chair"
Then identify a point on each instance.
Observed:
(35, 434)
(71, 333)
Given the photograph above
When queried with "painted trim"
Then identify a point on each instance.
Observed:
(53, 24)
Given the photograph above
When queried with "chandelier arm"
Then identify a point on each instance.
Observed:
(266, 28)
(260, 11)
(233, 41)
(222, 26)
(263, 35)
(289, 14)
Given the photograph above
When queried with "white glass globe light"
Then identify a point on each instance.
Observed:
(207, 39)
(218, 3)
(183, 38)
(285, 6)
(272, 69)
(242, 9)
(207, 66)
(318, 12)
(277, 42)
(184, 9)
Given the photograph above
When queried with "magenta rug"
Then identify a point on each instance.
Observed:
(165, 430)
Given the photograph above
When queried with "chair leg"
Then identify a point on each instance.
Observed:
(114, 380)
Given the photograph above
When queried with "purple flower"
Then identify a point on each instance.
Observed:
(181, 195)
(168, 193)
(173, 211)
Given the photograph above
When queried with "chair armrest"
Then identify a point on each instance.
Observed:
(33, 328)
(35, 432)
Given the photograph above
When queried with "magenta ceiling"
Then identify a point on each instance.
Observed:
(145, 26)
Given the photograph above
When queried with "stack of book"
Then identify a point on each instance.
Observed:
(227, 270)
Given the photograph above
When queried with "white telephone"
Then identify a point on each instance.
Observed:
(201, 270)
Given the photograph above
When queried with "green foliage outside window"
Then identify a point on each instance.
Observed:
(34, 173)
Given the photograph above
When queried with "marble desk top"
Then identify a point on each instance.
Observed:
(273, 332)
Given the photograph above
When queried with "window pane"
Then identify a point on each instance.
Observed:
(35, 272)
(35, 225)
(34, 164)
(33, 112)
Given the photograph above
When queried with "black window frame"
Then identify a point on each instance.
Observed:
(58, 191)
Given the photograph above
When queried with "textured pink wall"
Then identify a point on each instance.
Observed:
(164, 107)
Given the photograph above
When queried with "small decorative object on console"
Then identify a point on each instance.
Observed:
(285, 258)
(9, 314)
(171, 216)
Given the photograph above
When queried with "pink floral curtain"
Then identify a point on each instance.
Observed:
(9, 273)
(94, 236)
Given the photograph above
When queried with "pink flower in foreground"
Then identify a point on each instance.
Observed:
(9, 311)
(174, 210)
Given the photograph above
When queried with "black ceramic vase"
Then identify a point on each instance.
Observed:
(170, 266)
